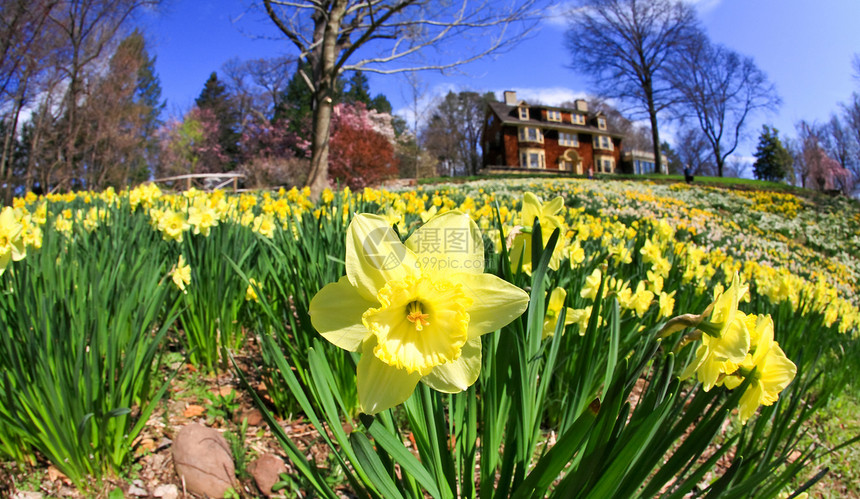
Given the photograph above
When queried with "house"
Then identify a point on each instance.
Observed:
(520, 136)
(640, 162)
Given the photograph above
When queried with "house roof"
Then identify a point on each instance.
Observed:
(508, 115)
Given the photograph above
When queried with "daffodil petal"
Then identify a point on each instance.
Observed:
(735, 342)
(381, 386)
(375, 255)
(449, 243)
(551, 208)
(530, 210)
(495, 302)
(459, 375)
(336, 313)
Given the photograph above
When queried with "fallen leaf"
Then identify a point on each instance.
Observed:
(54, 474)
(192, 411)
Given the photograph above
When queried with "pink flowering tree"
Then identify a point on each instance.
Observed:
(272, 154)
(362, 146)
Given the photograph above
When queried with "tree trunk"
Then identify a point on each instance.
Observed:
(318, 176)
(655, 138)
(323, 60)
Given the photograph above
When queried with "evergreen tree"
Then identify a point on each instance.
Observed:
(773, 161)
(148, 98)
(359, 90)
(675, 165)
(215, 98)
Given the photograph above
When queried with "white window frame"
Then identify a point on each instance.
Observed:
(568, 139)
(605, 164)
(524, 112)
(601, 123)
(603, 142)
(553, 115)
(524, 134)
(525, 157)
(577, 119)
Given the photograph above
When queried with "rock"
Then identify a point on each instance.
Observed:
(167, 491)
(138, 488)
(254, 417)
(26, 494)
(203, 459)
(265, 471)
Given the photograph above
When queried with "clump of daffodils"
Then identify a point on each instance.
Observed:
(414, 310)
(550, 217)
(11, 238)
(736, 346)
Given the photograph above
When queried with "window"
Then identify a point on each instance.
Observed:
(605, 164)
(568, 139)
(532, 158)
(530, 134)
(553, 115)
(566, 165)
(602, 142)
(577, 119)
(524, 113)
(641, 166)
(601, 123)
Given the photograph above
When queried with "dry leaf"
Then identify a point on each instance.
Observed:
(192, 411)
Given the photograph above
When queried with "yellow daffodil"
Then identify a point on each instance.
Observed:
(547, 214)
(202, 217)
(11, 240)
(592, 283)
(251, 293)
(667, 304)
(173, 225)
(773, 370)
(414, 311)
(553, 312)
(639, 301)
(580, 317)
(181, 274)
(726, 338)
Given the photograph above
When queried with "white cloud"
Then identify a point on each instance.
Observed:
(556, 14)
(552, 96)
(704, 6)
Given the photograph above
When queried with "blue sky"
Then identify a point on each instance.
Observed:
(805, 49)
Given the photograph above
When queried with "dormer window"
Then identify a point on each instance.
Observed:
(553, 115)
(577, 119)
(601, 123)
(524, 113)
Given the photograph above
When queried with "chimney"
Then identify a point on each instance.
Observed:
(581, 105)
(510, 98)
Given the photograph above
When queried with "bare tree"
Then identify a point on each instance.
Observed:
(851, 128)
(26, 49)
(90, 29)
(257, 85)
(627, 48)
(693, 151)
(719, 89)
(453, 133)
(386, 37)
